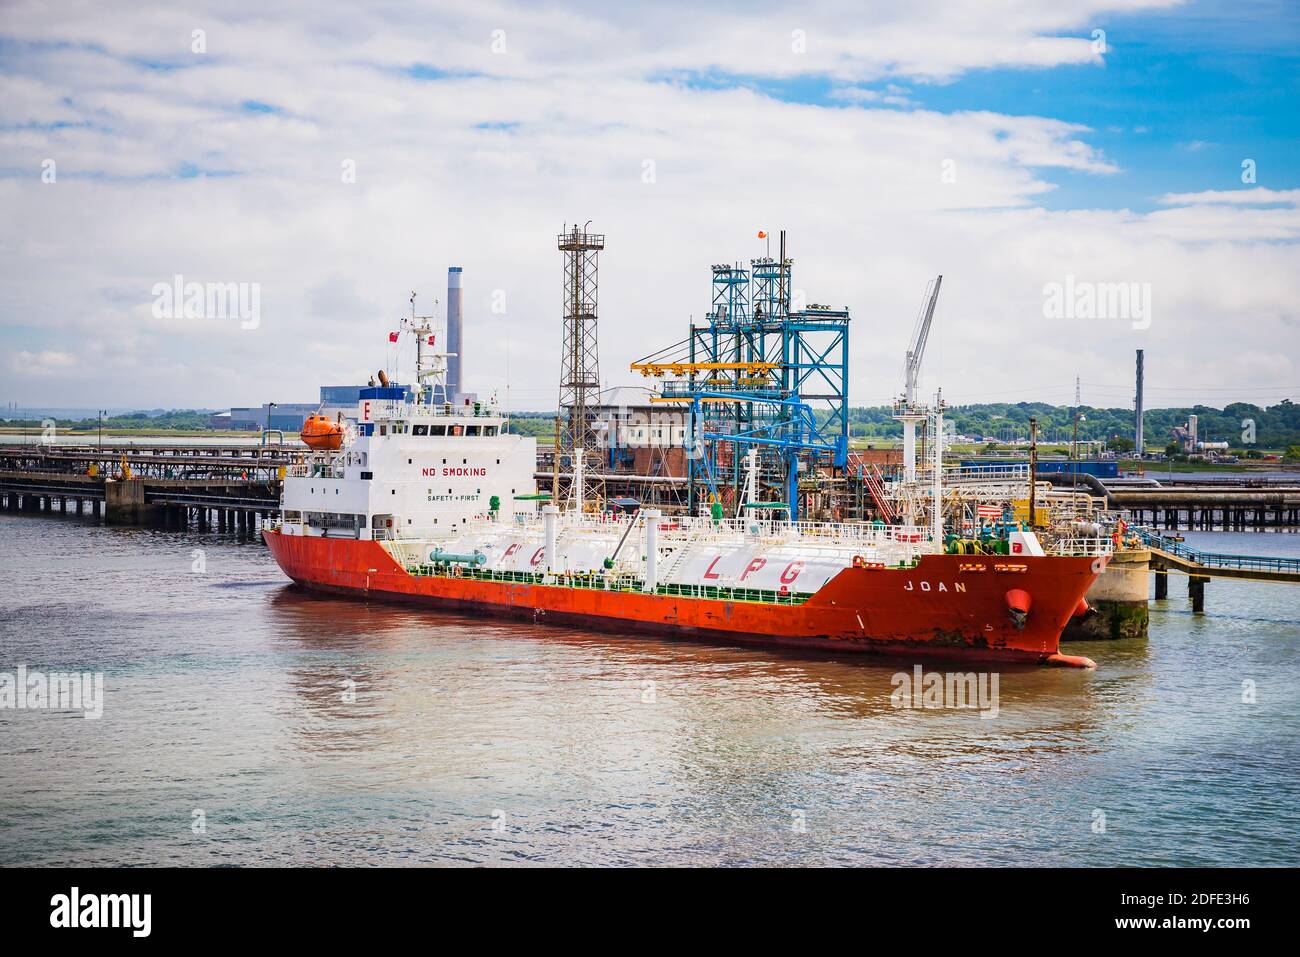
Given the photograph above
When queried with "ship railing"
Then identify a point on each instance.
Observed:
(390, 409)
(1153, 538)
(992, 472)
(324, 464)
(1083, 547)
(601, 580)
(314, 469)
(705, 528)
(896, 544)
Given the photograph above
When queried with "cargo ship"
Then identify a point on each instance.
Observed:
(436, 503)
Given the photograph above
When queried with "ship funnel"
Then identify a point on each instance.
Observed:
(455, 328)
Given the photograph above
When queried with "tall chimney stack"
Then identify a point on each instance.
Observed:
(455, 340)
(1137, 408)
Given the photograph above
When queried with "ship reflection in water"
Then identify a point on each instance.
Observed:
(304, 730)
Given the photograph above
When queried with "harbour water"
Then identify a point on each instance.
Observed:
(246, 722)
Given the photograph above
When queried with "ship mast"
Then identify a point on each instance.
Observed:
(429, 364)
(936, 515)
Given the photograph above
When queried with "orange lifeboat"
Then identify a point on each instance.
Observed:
(322, 435)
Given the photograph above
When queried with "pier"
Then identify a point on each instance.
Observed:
(1120, 597)
(1171, 555)
(227, 487)
(1237, 505)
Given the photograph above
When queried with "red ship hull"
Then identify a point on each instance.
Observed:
(948, 606)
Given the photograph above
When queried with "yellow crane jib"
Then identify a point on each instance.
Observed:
(661, 369)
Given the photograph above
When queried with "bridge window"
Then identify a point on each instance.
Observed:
(437, 430)
(419, 430)
(471, 430)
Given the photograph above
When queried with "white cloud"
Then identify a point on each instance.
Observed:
(1256, 195)
(41, 364)
(483, 170)
(851, 40)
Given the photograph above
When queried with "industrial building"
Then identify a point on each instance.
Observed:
(287, 416)
(638, 435)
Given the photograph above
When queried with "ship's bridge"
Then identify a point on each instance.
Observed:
(396, 416)
(413, 469)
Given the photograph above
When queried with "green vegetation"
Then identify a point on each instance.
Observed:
(1275, 427)
(540, 425)
(997, 424)
(193, 420)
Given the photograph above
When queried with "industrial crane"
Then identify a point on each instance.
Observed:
(908, 411)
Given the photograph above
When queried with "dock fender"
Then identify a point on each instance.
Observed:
(1018, 605)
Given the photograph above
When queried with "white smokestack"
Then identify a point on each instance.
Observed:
(455, 340)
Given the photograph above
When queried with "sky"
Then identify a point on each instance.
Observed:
(332, 158)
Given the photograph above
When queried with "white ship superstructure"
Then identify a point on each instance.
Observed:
(413, 470)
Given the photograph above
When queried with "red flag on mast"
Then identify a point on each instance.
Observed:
(392, 337)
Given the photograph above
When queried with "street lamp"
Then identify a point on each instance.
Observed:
(102, 413)
(1033, 469)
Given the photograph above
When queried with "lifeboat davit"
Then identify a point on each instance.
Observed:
(322, 435)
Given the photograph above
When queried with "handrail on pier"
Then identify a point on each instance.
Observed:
(1211, 560)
